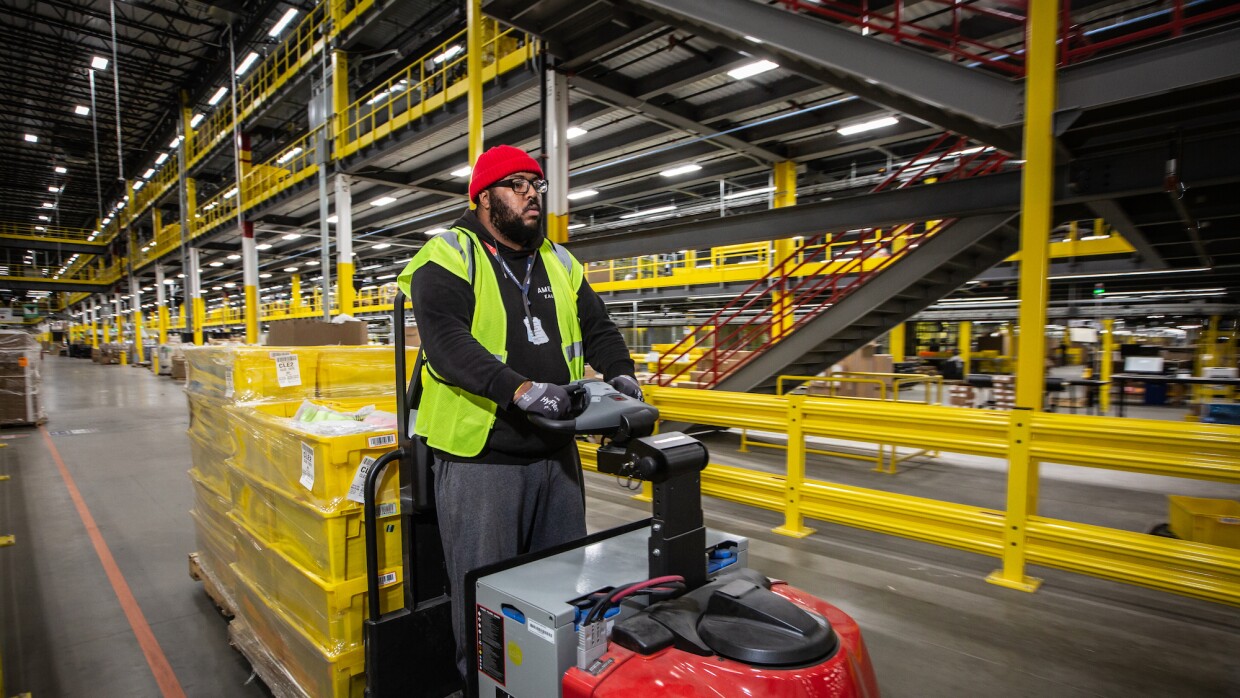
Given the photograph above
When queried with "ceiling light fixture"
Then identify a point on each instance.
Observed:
(99, 63)
(149, 173)
(383, 201)
(683, 169)
(751, 69)
(264, 275)
(312, 263)
(649, 211)
(216, 264)
(380, 246)
(219, 94)
(175, 142)
(197, 119)
(332, 219)
(448, 53)
(246, 63)
(575, 226)
(574, 131)
(31, 138)
(59, 170)
(282, 23)
(749, 192)
(263, 246)
(290, 269)
(291, 236)
(81, 110)
(162, 157)
(854, 129)
(462, 171)
(582, 194)
(234, 256)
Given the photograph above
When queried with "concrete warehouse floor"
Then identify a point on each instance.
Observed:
(933, 625)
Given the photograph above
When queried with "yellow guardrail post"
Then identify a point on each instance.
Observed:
(794, 522)
(965, 331)
(1106, 362)
(1035, 226)
(896, 339)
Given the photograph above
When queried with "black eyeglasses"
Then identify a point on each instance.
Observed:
(522, 185)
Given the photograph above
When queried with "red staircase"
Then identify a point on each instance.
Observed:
(786, 298)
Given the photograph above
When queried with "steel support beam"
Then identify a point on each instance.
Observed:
(672, 117)
(1112, 212)
(1167, 67)
(970, 102)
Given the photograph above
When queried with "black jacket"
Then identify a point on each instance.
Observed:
(443, 304)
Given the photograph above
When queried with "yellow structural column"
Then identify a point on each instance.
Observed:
(294, 293)
(555, 159)
(1105, 364)
(895, 338)
(782, 313)
(1035, 225)
(965, 332)
(473, 66)
(345, 293)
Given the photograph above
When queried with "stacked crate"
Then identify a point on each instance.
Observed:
(278, 524)
(962, 396)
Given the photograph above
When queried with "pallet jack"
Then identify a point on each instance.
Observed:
(661, 606)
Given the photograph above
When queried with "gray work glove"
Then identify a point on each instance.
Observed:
(546, 400)
(627, 385)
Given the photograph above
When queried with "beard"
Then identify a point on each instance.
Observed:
(508, 221)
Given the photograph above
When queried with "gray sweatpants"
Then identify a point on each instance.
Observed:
(489, 513)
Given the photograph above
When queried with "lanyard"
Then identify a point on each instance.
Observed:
(525, 287)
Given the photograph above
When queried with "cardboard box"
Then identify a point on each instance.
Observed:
(314, 333)
(177, 369)
(413, 339)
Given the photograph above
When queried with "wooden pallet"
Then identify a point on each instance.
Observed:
(198, 572)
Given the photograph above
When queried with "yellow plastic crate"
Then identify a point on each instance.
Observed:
(246, 373)
(290, 653)
(365, 372)
(210, 502)
(1212, 521)
(330, 613)
(330, 545)
(239, 373)
(217, 551)
(273, 450)
(210, 464)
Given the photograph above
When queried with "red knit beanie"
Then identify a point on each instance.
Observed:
(498, 163)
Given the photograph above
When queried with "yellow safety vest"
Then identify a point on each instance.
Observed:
(452, 419)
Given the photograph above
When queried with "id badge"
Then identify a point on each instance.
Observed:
(535, 334)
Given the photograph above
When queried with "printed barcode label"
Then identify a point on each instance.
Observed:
(389, 509)
(288, 371)
(307, 466)
(385, 440)
(228, 382)
(356, 490)
(387, 579)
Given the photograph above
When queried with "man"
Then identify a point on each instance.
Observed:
(506, 317)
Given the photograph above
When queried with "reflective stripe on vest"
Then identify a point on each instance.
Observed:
(451, 419)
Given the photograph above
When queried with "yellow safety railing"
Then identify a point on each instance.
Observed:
(44, 232)
(78, 273)
(167, 239)
(281, 171)
(428, 84)
(1200, 451)
(214, 211)
(155, 188)
(298, 49)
